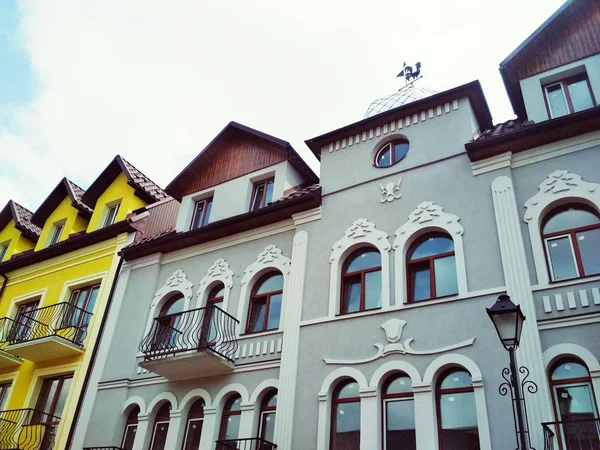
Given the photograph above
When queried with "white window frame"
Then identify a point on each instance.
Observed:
(187, 429)
(114, 206)
(562, 89)
(155, 429)
(384, 414)
(57, 230)
(204, 201)
(4, 249)
(127, 427)
(550, 265)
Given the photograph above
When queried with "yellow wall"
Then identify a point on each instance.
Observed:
(64, 212)
(17, 242)
(119, 190)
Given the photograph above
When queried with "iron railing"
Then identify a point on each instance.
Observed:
(200, 329)
(6, 325)
(63, 319)
(245, 444)
(579, 434)
(27, 429)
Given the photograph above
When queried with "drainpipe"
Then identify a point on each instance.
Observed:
(3, 284)
(88, 374)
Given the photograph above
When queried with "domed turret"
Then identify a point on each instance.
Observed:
(403, 96)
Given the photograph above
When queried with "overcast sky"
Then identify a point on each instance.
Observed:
(154, 81)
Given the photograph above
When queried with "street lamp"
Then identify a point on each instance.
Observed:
(508, 320)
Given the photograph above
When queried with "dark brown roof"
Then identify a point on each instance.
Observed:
(160, 221)
(298, 193)
(22, 219)
(504, 128)
(144, 188)
(63, 189)
(471, 90)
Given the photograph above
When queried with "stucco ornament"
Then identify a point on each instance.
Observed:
(425, 215)
(390, 191)
(218, 271)
(361, 230)
(176, 282)
(271, 256)
(393, 332)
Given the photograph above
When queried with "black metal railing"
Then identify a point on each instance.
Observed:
(6, 325)
(578, 434)
(199, 329)
(63, 319)
(27, 429)
(245, 444)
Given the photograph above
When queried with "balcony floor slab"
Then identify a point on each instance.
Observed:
(44, 349)
(7, 360)
(189, 365)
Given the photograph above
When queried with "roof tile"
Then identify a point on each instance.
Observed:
(503, 128)
(23, 219)
(144, 183)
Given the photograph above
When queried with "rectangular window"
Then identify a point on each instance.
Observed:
(57, 230)
(159, 435)
(52, 399)
(201, 215)
(24, 320)
(262, 194)
(129, 436)
(4, 388)
(111, 214)
(78, 316)
(3, 250)
(568, 96)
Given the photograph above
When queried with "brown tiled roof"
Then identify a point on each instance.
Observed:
(22, 219)
(63, 189)
(504, 128)
(298, 193)
(77, 193)
(143, 182)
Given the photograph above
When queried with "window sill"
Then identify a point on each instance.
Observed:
(565, 283)
(354, 313)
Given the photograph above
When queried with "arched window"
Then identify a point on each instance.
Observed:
(361, 281)
(345, 417)
(230, 420)
(161, 428)
(571, 238)
(267, 416)
(457, 415)
(265, 303)
(193, 429)
(167, 323)
(574, 405)
(391, 153)
(398, 414)
(431, 268)
(212, 314)
(130, 429)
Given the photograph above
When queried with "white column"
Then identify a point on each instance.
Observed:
(210, 429)
(142, 434)
(324, 421)
(425, 418)
(175, 432)
(485, 441)
(247, 428)
(290, 319)
(370, 431)
(518, 286)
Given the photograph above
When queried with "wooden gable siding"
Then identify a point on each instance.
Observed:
(574, 36)
(233, 158)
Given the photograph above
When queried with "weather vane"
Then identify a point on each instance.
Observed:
(409, 73)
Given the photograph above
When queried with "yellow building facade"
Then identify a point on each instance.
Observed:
(58, 266)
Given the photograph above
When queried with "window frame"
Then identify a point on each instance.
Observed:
(205, 217)
(56, 233)
(44, 395)
(265, 410)
(211, 300)
(564, 85)
(254, 297)
(108, 220)
(227, 412)
(4, 391)
(157, 421)
(411, 263)
(388, 398)
(362, 273)
(4, 249)
(391, 144)
(130, 423)
(192, 418)
(335, 400)
(571, 234)
(255, 186)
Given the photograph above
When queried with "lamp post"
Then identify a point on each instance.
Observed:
(508, 320)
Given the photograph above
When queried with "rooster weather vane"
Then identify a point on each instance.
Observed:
(409, 73)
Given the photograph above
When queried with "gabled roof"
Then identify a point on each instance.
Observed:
(176, 187)
(63, 189)
(22, 219)
(144, 188)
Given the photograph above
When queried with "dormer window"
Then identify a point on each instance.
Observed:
(111, 214)
(391, 153)
(201, 213)
(568, 96)
(3, 249)
(262, 194)
(55, 233)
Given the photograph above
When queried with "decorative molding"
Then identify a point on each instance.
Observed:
(390, 191)
(393, 332)
(568, 300)
(427, 217)
(307, 216)
(177, 282)
(256, 349)
(362, 232)
(559, 187)
(219, 272)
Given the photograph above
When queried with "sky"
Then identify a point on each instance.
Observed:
(154, 81)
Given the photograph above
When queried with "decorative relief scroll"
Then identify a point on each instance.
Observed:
(176, 282)
(361, 230)
(390, 191)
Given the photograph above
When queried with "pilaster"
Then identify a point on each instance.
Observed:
(209, 429)
(176, 430)
(370, 433)
(142, 433)
(425, 427)
(247, 428)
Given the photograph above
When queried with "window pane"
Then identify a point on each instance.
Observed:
(173, 306)
(373, 289)
(198, 215)
(3, 394)
(351, 301)
(589, 249)
(569, 219)
(556, 100)
(259, 190)
(575, 402)
(456, 379)
(129, 437)
(364, 260)
(346, 429)
(232, 427)
(217, 292)
(420, 283)
(570, 370)
(269, 196)
(400, 425)
(561, 258)
(272, 284)
(50, 390)
(580, 95)
(257, 315)
(400, 385)
(433, 246)
(384, 157)
(268, 426)
(350, 390)
(274, 312)
(160, 436)
(62, 397)
(445, 276)
(459, 421)
(207, 212)
(193, 434)
(400, 150)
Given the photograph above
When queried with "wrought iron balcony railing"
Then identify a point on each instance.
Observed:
(63, 319)
(202, 329)
(6, 325)
(27, 429)
(577, 434)
(245, 444)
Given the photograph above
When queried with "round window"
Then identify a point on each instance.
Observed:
(391, 153)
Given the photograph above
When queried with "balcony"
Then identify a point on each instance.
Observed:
(191, 344)
(7, 360)
(49, 333)
(27, 429)
(582, 434)
(245, 444)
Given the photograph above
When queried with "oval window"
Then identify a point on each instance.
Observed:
(391, 153)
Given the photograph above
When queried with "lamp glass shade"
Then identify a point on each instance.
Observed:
(508, 320)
